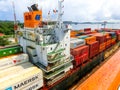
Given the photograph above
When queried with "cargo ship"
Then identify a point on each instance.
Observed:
(52, 56)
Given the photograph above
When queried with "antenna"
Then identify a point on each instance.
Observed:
(15, 20)
(14, 13)
(60, 13)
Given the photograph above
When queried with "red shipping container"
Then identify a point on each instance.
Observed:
(77, 51)
(80, 54)
(108, 42)
(117, 31)
(113, 41)
(81, 59)
(90, 39)
(118, 37)
(77, 61)
(101, 39)
(80, 50)
(94, 49)
(102, 47)
(87, 30)
(85, 57)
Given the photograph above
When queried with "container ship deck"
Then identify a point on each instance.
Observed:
(52, 56)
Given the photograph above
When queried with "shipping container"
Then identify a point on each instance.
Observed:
(112, 34)
(10, 51)
(13, 60)
(108, 42)
(102, 47)
(118, 37)
(94, 49)
(87, 29)
(80, 54)
(113, 41)
(27, 77)
(80, 50)
(83, 36)
(76, 43)
(90, 39)
(101, 39)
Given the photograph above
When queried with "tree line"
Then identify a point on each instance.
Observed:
(7, 28)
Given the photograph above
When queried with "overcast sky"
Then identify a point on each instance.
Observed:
(74, 10)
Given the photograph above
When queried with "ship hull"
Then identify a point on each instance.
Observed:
(74, 75)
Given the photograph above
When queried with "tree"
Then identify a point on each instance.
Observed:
(3, 41)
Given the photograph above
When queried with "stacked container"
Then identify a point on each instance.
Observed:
(93, 45)
(87, 31)
(101, 39)
(80, 54)
(10, 51)
(73, 34)
(117, 33)
(113, 37)
(76, 43)
(83, 36)
(16, 73)
(94, 49)
(108, 41)
(118, 37)
(90, 40)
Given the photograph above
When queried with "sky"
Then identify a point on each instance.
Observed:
(74, 10)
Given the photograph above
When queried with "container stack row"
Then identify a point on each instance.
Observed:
(91, 43)
(16, 72)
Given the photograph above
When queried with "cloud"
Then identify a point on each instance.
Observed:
(74, 10)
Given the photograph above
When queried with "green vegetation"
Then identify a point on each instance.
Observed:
(7, 27)
(7, 40)
(4, 41)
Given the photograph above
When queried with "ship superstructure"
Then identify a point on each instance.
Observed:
(47, 43)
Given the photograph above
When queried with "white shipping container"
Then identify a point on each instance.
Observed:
(14, 70)
(13, 60)
(24, 79)
(76, 43)
(35, 86)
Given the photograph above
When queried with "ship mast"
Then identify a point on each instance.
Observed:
(15, 20)
(60, 13)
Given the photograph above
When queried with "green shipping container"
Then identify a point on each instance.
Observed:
(10, 51)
